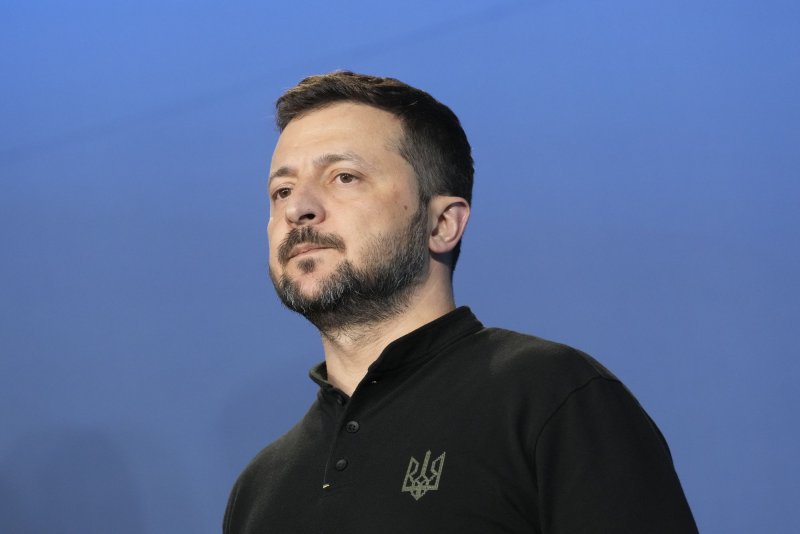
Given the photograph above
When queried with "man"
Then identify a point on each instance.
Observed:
(425, 420)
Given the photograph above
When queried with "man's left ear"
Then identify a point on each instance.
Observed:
(449, 216)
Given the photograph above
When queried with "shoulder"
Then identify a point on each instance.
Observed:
(522, 372)
(512, 354)
(272, 472)
(278, 456)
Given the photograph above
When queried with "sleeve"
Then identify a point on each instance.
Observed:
(603, 466)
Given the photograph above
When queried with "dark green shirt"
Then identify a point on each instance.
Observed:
(460, 428)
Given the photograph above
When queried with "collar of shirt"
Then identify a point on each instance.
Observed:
(412, 349)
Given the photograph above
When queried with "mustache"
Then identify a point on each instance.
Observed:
(307, 234)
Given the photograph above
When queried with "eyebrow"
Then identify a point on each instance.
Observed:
(322, 161)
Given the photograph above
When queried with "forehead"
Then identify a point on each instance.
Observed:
(345, 126)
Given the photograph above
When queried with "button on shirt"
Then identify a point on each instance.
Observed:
(351, 427)
(461, 428)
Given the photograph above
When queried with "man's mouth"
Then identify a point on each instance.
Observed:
(304, 248)
(305, 240)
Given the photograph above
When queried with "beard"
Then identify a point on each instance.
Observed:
(393, 265)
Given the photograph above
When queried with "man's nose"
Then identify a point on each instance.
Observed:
(304, 206)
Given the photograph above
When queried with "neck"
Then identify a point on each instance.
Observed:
(350, 352)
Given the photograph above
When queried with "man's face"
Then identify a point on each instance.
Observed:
(347, 233)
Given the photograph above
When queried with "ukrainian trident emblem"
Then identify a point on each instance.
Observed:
(419, 480)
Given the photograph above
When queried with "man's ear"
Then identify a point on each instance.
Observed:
(448, 216)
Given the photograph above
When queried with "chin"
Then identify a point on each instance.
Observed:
(310, 268)
(308, 282)
(307, 287)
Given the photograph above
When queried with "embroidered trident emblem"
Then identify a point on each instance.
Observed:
(418, 480)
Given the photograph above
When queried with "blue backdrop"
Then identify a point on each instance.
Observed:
(636, 196)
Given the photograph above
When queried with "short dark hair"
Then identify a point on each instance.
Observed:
(434, 143)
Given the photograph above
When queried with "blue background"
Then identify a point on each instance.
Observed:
(636, 196)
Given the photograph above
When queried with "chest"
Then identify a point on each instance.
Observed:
(407, 462)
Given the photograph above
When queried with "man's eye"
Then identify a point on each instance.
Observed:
(282, 192)
(345, 177)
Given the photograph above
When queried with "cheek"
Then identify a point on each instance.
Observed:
(273, 241)
(384, 211)
(274, 227)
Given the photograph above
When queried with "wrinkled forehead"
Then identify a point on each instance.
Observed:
(341, 127)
